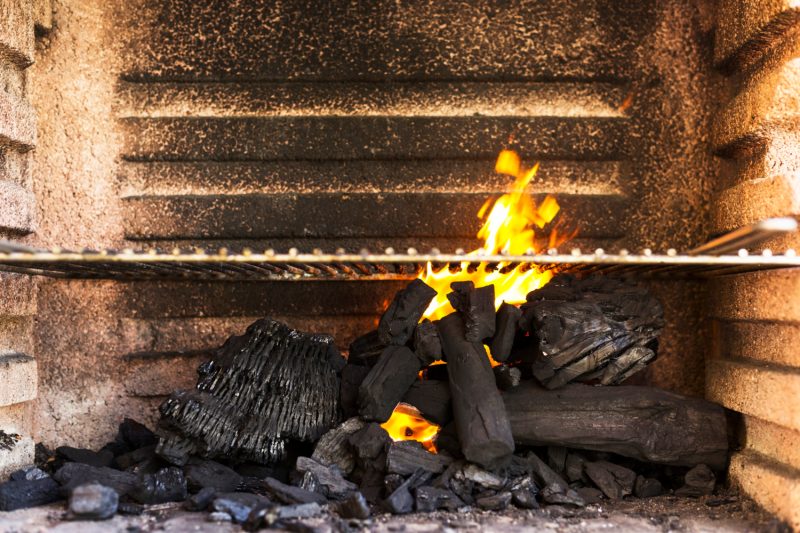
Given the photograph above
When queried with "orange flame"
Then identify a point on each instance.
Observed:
(406, 423)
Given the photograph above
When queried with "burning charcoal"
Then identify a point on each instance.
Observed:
(481, 477)
(398, 322)
(542, 474)
(238, 505)
(87, 457)
(365, 350)
(643, 423)
(333, 447)
(166, 485)
(476, 307)
(329, 479)
(28, 493)
(352, 377)
(387, 382)
(432, 400)
(558, 495)
(614, 480)
(130, 459)
(597, 328)
(254, 396)
(506, 377)
(497, 502)
(406, 456)
(427, 344)
(201, 500)
(478, 410)
(699, 481)
(647, 487)
(93, 502)
(29, 473)
(400, 501)
(136, 435)
(506, 327)
(557, 458)
(288, 494)
(590, 494)
(202, 473)
(72, 475)
(573, 467)
(429, 499)
(355, 506)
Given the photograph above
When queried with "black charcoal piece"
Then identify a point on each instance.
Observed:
(643, 423)
(400, 501)
(447, 440)
(406, 456)
(432, 400)
(480, 477)
(387, 383)
(289, 494)
(166, 485)
(476, 307)
(590, 494)
(542, 474)
(370, 442)
(87, 457)
(496, 502)
(478, 410)
(72, 475)
(524, 499)
(428, 499)
(506, 377)
(93, 502)
(647, 487)
(369, 445)
(392, 482)
(254, 396)
(398, 322)
(238, 505)
(614, 480)
(427, 344)
(328, 480)
(28, 493)
(29, 473)
(699, 481)
(557, 459)
(136, 435)
(135, 457)
(355, 506)
(436, 373)
(365, 350)
(573, 467)
(505, 331)
(203, 473)
(352, 377)
(558, 495)
(333, 447)
(201, 500)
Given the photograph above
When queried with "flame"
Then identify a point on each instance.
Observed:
(406, 423)
(509, 227)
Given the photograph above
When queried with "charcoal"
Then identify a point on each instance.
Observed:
(573, 467)
(590, 494)
(387, 383)
(130, 508)
(405, 457)
(289, 494)
(428, 499)
(352, 378)
(557, 458)
(505, 331)
(93, 502)
(392, 482)
(447, 440)
(476, 307)
(427, 344)
(238, 505)
(497, 502)
(365, 350)
(333, 447)
(370, 442)
(202, 473)
(642, 423)
(87, 457)
(558, 495)
(398, 322)
(355, 506)
(506, 377)
(436, 373)
(400, 501)
(166, 485)
(478, 410)
(369, 445)
(699, 481)
(136, 435)
(524, 499)
(201, 500)
(542, 474)
(29, 473)
(130, 459)
(254, 396)
(72, 475)
(647, 487)
(614, 480)
(432, 400)
(598, 328)
(258, 471)
(26, 493)
(481, 477)
(328, 480)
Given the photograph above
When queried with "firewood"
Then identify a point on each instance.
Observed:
(476, 307)
(398, 322)
(387, 382)
(478, 410)
(642, 423)
(432, 400)
(261, 389)
(506, 327)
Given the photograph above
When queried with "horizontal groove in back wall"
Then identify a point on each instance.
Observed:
(342, 215)
(347, 138)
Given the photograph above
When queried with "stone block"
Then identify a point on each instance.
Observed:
(17, 123)
(757, 296)
(16, 31)
(15, 458)
(772, 441)
(18, 296)
(19, 378)
(769, 483)
(18, 213)
(766, 342)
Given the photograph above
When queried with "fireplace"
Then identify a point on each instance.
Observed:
(294, 127)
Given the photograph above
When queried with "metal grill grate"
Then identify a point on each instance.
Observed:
(707, 260)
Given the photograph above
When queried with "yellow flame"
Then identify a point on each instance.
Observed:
(406, 423)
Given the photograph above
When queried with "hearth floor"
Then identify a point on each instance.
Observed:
(720, 513)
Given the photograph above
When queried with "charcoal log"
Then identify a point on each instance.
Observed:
(387, 382)
(642, 423)
(597, 328)
(365, 350)
(427, 344)
(506, 327)
(398, 322)
(476, 307)
(478, 410)
(260, 390)
(432, 400)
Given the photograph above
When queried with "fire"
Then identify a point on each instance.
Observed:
(509, 227)
(406, 423)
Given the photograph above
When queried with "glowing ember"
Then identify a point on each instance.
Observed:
(406, 423)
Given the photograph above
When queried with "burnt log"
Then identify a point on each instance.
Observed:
(476, 307)
(398, 322)
(478, 410)
(642, 423)
(387, 382)
(506, 327)
(260, 390)
(598, 328)
(432, 400)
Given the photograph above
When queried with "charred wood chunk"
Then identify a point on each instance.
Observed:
(352, 377)
(699, 481)
(387, 382)
(476, 307)
(87, 457)
(238, 505)
(478, 410)
(505, 331)
(506, 377)
(496, 502)
(202, 474)
(593, 329)
(326, 480)
(135, 435)
(647, 487)
(614, 480)
(427, 344)
(365, 350)
(26, 493)
(166, 485)
(398, 322)
(261, 389)
(72, 475)
(400, 501)
(289, 494)
(334, 449)
(542, 474)
(370, 445)
(432, 400)
(642, 423)
(428, 499)
(405, 457)
(355, 506)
